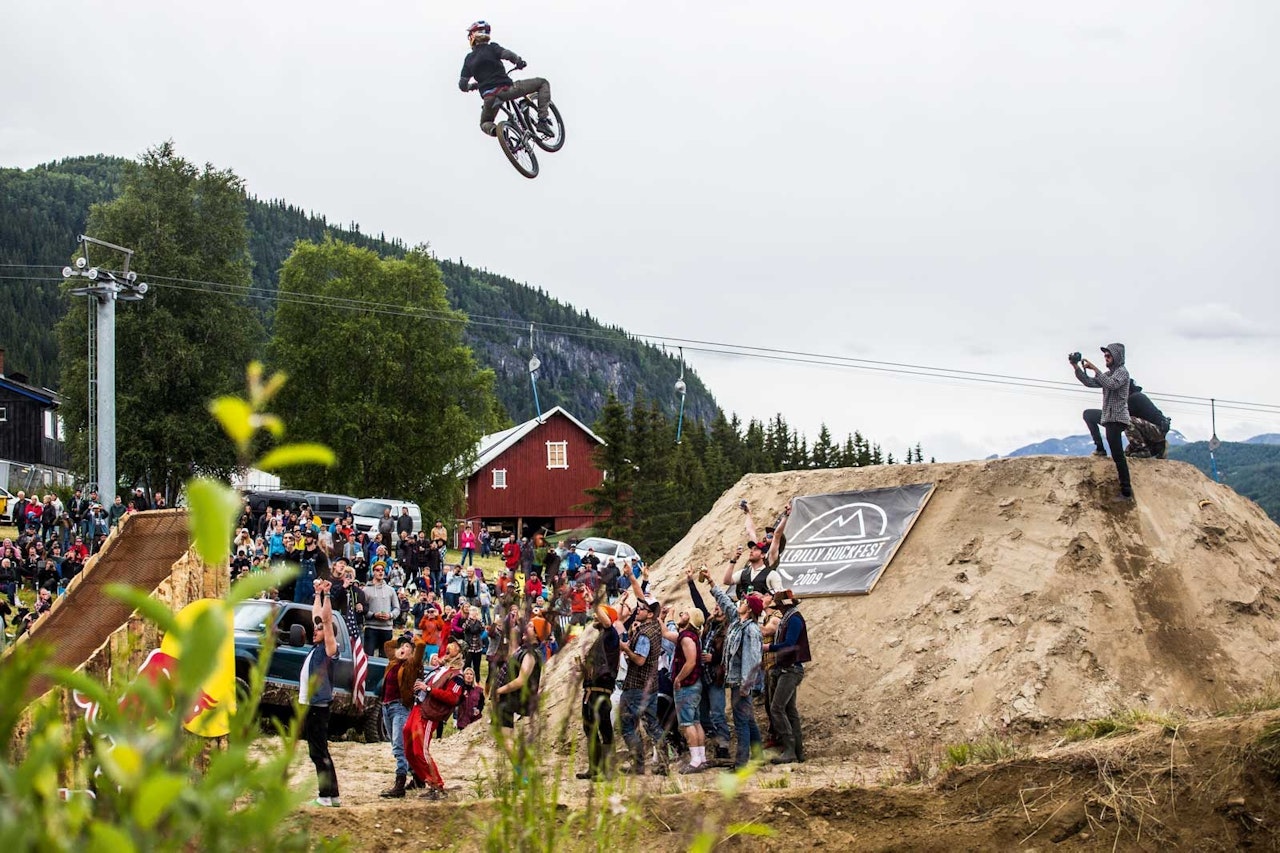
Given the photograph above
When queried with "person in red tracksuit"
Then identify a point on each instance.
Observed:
(438, 695)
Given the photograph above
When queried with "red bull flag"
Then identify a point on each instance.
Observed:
(209, 714)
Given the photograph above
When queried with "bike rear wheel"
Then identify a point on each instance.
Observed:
(551, 143)
(515, 144)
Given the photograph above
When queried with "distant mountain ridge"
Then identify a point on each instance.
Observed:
(43, 209)
(1076, 445)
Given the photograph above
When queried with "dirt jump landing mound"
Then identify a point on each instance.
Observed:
(1022, 597)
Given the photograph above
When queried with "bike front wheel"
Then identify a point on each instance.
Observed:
(551, 143)
(515, 144)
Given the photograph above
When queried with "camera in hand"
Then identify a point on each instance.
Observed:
(1075, 358)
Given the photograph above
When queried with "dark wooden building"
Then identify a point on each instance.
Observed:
(534, 476)
(33, 452)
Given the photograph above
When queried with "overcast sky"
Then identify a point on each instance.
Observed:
(975, 185)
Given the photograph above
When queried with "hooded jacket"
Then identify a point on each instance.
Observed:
(1114, 384)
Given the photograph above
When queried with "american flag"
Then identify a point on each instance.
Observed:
(360, 662)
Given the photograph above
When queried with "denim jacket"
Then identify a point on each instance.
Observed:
(743, 644)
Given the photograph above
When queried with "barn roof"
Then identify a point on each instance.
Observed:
(491, 446)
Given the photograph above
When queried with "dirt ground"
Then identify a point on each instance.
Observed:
(1021, 601)
(1204, 785)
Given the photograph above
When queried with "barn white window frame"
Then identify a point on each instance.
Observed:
(499, 478)
(557, 455)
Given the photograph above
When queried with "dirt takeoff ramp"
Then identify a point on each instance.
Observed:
(142, 554)
(1022, 598)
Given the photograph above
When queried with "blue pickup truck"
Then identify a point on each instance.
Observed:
(291, 625)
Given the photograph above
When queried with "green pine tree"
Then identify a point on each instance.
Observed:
(400, 399)
(183, 344)
(611, 500)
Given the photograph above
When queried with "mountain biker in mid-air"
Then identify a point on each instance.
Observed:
(484, 63)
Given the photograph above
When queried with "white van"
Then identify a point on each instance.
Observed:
(367, 511)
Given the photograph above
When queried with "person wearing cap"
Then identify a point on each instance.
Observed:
(790, 643)
(397, 702)
(755, 576)
(599, 667)
(743, 647)
(686, 682)
(711, 655)
(1114, 383)
(313, 565)
(572, 562)
(639, 699)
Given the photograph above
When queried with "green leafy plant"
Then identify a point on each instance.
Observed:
(714, 826)
(129, 776)
(987, 750)
(528, 815)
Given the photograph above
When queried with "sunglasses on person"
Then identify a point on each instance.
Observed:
(319, 622)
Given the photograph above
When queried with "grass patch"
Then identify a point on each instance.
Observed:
(1266, 749)
(781, 782)
(917, 762)
(987, 750)
(1267, 700)
(1119, 723)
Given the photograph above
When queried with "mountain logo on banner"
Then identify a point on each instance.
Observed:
(842, 542)
(848, 526)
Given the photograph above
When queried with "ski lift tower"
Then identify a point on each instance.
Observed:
(104, 287)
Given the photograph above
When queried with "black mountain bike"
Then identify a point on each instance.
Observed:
(518, 133)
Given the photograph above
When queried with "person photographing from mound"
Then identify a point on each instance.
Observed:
(1148, 430)
(483, 71)
(1114, 382)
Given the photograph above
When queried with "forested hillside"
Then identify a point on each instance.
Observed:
(1253, 470)
(43, 209)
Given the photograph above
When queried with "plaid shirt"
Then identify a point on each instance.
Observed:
(1115, 387)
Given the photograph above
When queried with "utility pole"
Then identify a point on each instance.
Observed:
(1214, 443)
(105, 287)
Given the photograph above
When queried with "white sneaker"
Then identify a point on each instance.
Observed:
(327, 802)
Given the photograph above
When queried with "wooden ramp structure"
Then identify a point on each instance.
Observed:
(88, 629)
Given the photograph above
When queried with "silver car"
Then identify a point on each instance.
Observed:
(604, 548)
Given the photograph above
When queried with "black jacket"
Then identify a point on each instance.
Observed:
(484, 63)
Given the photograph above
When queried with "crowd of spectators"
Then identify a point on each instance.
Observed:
(54, 539)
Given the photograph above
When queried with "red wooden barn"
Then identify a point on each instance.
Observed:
(534, 475)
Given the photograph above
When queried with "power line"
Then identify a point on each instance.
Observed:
(775, 354)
